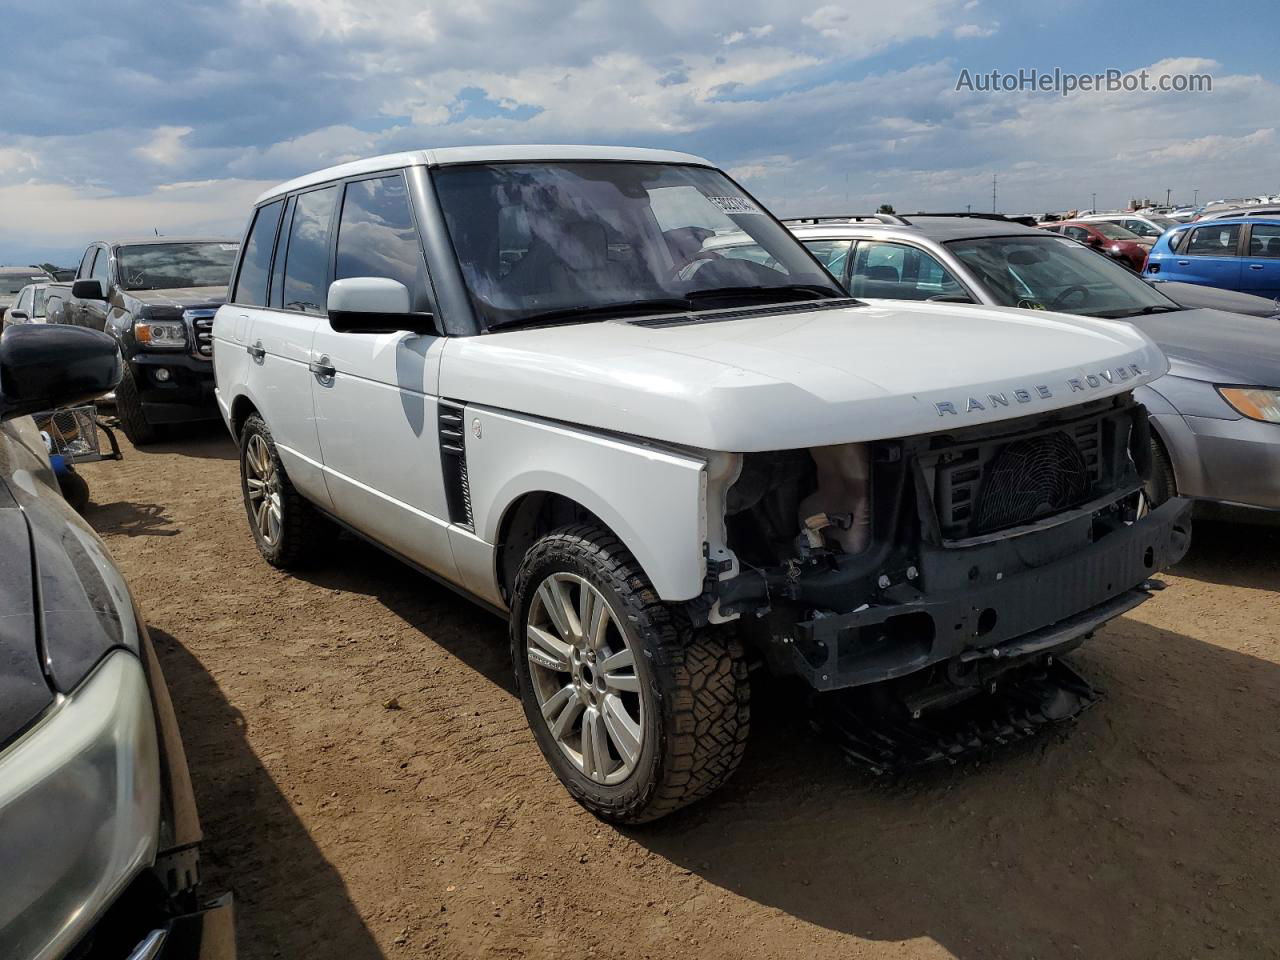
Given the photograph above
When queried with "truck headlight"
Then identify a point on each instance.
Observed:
(1256, 403)
(160, 334)
(80, 804)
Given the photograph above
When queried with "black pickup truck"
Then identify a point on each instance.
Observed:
(157, 298)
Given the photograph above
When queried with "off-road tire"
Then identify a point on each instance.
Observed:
(129, 412)
(694, 683)
(1161, 485)
(306, 535)
(74, 490)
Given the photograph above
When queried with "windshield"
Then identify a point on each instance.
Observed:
(12, 283)
(1053, 273)
(1113, 231)
(539, 240)
(168, 266)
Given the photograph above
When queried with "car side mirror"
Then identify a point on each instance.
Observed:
(16, 316)
(43, 367)
(89, 290)
(374, 305)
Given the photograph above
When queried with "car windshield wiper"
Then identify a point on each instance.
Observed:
(594, 311)
(1143, 312)
(786, 291)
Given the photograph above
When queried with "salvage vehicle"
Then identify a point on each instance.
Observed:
(1233, 254)
(12, 280)
(1120, 244)
(1215, 423)
(520, 370)
(28, 305)
(99, 834)
(156, 297)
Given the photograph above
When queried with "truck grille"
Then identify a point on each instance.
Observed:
(200, 329)
(1005, 482)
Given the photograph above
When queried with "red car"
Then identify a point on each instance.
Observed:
(1109, 238)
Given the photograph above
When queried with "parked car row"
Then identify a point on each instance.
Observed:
(608, 396)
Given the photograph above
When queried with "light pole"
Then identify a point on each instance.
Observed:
(1094, 208)
(1195, 198)
(1167, 194)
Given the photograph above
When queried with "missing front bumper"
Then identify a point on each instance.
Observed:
(1039, 610)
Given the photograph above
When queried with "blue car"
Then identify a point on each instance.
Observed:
(1238, 253)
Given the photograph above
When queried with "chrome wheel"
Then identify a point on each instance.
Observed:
(262, 482)
(584, 678)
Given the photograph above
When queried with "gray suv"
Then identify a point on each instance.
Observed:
(1216, 415)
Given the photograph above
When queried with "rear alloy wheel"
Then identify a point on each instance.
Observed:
(288, 530)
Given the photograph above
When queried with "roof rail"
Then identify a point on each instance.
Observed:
(889, 218)
(981, 216)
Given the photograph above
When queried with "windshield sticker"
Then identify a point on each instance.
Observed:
(734, 205)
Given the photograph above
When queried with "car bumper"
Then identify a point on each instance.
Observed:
(1041, 610)
(1235, 462)
(186, 395)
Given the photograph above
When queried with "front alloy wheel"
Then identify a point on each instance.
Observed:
(583, 675)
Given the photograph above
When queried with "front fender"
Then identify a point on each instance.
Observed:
(652, 498)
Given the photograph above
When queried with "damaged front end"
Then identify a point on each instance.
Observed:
(943, 561)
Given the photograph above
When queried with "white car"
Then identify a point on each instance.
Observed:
(520, 370)
(1149, 226)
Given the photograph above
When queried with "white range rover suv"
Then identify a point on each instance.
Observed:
(528, 372)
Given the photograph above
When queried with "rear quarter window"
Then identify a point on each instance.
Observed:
(251, 283)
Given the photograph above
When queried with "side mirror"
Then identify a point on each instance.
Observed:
(16, 316)
(374, 305)
(43, 367)
(89, 290)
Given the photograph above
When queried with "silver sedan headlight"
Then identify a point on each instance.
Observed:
(1256, 403)
(79, 810)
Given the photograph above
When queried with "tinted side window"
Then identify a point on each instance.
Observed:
(1076, 233)
(1217, 241)
(306, 268)
(377, 238)
(100, 265)
(832, 254)
(897, 272)
(251, 284)
(86, 264)
(1265, 241)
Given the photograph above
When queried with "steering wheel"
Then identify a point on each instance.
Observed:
(1075, 289)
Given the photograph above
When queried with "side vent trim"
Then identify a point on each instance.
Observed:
(453, 462)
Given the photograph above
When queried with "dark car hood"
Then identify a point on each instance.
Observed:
(24, 692)
(1215, 346)
(182, 297)
(1216, 298)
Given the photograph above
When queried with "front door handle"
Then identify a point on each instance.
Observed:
(1183, 263)
(323, 369)
(257, 351)
(1255, 266)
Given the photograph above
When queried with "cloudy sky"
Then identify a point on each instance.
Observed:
(128, 116)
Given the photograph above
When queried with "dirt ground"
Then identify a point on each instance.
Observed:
(351, 830)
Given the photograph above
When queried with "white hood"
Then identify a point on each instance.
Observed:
(806, 379)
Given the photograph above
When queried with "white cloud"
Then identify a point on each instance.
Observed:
(166, 146)
(971, 30)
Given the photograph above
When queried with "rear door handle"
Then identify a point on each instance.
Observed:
(1183, 263)
(323, 369)
(1255, 266)
(257, 351)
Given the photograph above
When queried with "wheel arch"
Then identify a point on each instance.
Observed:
(527, 519)
(242, 408)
